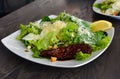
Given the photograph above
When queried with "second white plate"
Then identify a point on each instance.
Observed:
(97, 10)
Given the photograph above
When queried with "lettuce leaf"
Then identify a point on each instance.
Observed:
(99, 35)
(48, 40)
(101, 44)
(42, 44)
(68, 33)
(81, 56)
(25, 29)
(36, 52)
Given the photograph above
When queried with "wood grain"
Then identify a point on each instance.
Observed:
(107, 66)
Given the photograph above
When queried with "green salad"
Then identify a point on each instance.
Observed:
(61, 31)
(110, 7)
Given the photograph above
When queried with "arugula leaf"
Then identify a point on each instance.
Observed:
(45, 18)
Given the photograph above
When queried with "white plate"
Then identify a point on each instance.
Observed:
(97, 10)
(18, 48)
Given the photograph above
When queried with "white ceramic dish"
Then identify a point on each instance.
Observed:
(96, 10)
(18, 48)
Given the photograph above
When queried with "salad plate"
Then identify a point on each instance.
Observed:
(18, 48)
(108, 13)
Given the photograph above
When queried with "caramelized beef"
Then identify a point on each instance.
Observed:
(66, 53)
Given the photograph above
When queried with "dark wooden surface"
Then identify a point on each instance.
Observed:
(107, 66)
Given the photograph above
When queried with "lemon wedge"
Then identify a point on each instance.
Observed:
(100, 25)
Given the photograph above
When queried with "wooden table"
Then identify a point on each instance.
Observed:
(107, 66)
